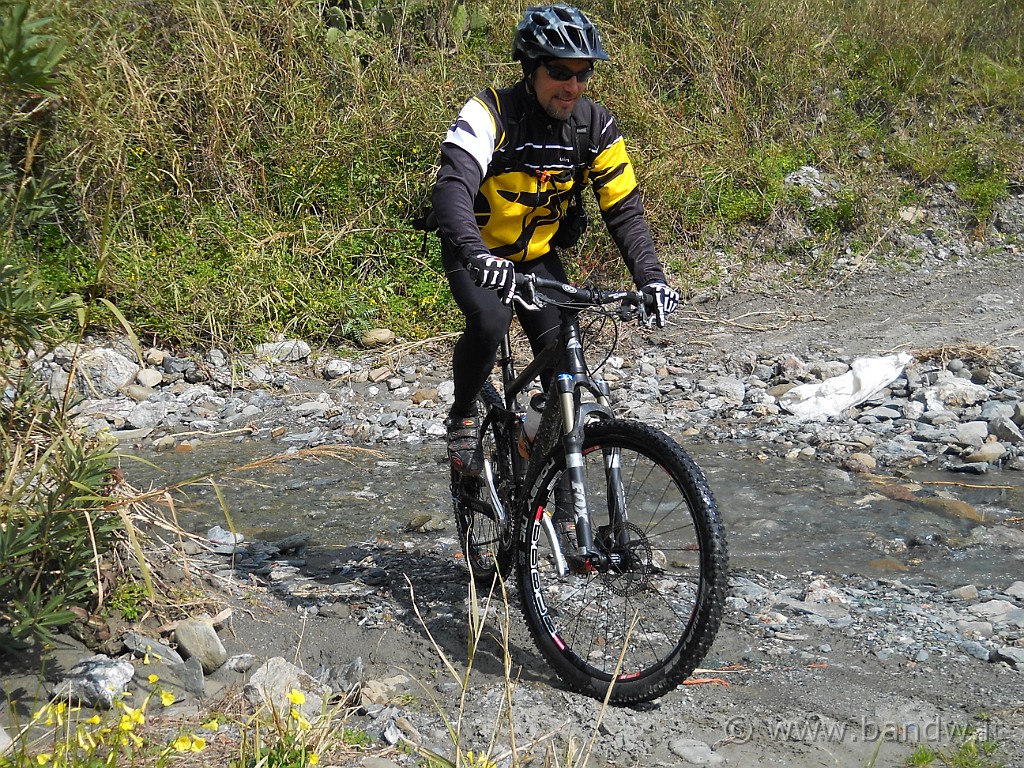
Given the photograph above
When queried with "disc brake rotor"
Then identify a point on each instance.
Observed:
(634, 573)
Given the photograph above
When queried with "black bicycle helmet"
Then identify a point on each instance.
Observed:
(556, 32)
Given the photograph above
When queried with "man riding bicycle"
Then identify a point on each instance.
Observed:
(507, 195)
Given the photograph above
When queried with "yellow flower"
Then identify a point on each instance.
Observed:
(85, 740)
(302, 722)
(166, 698)
(94, 720)
(211, 725)
(131, 718)
(54, 712)
(314, 758)
(198, 744)
(182, 744)
(43, 758)
(296, 697)
(153, 678)
(479, 760)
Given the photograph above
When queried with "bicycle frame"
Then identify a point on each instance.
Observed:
(564, 418)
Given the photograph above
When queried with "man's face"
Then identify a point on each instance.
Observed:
(558, 97)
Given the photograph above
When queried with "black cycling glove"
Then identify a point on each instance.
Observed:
(665, 301)
(495, 273)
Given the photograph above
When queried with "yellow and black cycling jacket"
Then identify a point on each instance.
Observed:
(508, 171)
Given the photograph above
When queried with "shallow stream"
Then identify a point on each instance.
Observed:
(785, 516)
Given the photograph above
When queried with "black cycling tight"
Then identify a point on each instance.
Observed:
(487, 321)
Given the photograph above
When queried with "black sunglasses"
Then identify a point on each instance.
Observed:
(564, 74)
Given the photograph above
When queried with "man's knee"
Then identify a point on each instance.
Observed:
(488, 327)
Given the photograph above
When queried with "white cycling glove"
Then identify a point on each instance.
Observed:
(495, 273)
(665, 301)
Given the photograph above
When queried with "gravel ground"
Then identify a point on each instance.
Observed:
(811, 667)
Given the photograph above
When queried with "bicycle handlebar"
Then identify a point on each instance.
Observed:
(585, 296)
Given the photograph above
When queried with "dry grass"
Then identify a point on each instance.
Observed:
(239, 169)
(968, 353)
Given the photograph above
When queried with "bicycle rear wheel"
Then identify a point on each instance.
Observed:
(483, 505)
(644, 623)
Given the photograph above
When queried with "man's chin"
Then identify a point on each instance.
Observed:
(559, 111)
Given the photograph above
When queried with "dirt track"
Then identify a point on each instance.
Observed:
(811, 694)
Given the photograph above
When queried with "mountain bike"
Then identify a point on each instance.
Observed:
(609, 526)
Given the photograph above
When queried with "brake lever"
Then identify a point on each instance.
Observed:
(527, 296)
(630, 310)
(646, 319)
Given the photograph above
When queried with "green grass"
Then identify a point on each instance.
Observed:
(229, 169)
(971, 753)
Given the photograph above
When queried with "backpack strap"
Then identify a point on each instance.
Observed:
(500, 160)
(581, 148)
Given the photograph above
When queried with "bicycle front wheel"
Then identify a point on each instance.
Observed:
(642, 618)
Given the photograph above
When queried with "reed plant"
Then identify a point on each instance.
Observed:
(54, 519)
(241, 168)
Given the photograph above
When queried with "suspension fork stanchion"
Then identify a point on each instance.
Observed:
(617, 513)
(572, 441)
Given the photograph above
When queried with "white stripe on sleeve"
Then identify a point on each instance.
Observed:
(475, 132)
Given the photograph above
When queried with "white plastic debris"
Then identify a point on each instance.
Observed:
(866, 377)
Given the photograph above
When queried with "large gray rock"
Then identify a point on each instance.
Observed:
(289, 351)
(953, 393)
(96, 682)
(1011, 655)
(103, 373)
(1015, 590)
(153, 649)
(149, 377)
(271, 684)
(728, 387)
(972, 432)
(197, 639)
(1006, 430)
(987, 452)
(190, 675)
(996, 611)
(377, 337)
(694, 752)
(147, 415)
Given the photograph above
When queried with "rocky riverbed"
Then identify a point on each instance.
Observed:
(812, 667)
(958, 405)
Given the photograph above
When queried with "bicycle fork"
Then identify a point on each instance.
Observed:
(615, 537)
